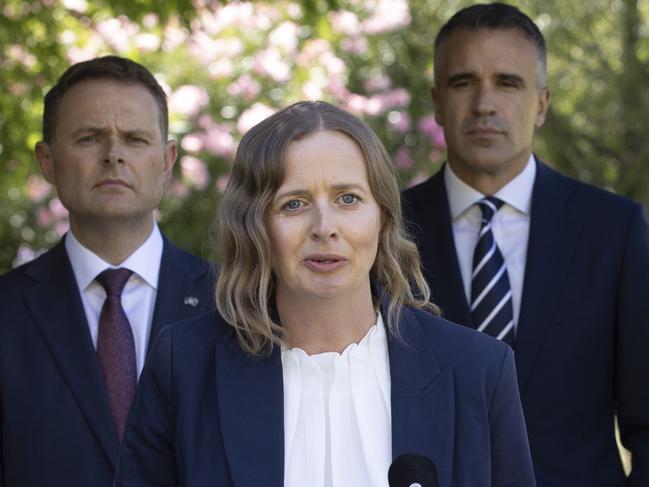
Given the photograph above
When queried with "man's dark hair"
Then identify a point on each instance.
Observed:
(112, 68)
(496, 16)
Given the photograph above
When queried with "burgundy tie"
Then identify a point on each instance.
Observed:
(116, 348)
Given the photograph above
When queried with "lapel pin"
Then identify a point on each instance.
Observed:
(191, 301)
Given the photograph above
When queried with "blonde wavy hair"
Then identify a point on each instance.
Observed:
(245, 285)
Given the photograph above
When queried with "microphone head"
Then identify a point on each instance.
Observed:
(412, 470)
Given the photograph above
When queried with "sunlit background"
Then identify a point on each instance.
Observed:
(227, 65)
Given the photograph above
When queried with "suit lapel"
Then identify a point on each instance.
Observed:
(55, 305)
(251, 411)
(554, 233)
(423, 408)
(437, 248)
(181, 291)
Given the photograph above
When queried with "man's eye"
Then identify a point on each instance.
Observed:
(137, 140)
(86, 139)
(348, 199)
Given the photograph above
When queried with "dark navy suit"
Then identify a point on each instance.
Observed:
(582, 346)
(205, 414)
(56, 427)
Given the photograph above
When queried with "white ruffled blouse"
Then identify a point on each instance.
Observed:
(337, 414)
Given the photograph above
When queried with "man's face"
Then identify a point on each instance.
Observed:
(107, 158)
(488, 102)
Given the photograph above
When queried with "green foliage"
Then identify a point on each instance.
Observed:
(226, 64)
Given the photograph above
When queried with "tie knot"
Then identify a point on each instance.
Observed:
(489, 206)
(114, 280)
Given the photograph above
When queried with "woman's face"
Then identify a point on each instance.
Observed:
(323, 222)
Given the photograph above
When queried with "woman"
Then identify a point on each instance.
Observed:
(325, 361)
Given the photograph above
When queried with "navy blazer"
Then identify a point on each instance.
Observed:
(582, 342)
(207, 414)
(56, 427)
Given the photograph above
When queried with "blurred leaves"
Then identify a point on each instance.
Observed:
(227, 64)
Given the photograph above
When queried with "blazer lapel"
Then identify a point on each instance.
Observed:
(554, 233)
(437, 248)
(423, 407)
(251, 411)
(55, 305)
(181, 289)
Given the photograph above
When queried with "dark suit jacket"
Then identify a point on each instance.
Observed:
(56, 428)
(207, 414)
(582, 349)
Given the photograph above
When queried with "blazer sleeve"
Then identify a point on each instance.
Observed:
(510, 451)
(632, 354)
(147, 456)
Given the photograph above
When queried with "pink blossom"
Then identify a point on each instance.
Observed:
(420, 177)
(222, 183)
(221, 68)
(387, 15)
(285, 36)
(218, 141)
(188, 100)
(147, 41)
(195, 172)
(334, 65)
(58, 210)
(62, 227)
(245, 86)
(271, 63)
(77, 5)
(312, 50)
(150, 20)
(312, 90)
(345, 22)
(26, 254)
(378, 82)
(20, 54)
(354, 45)
(251, 117)
(174, 35)
(44, 217)
(176, 189)
(37, 188)
(192, 142)
(428, 127)
(67, 37)
(117, 32)
(403, 158)
(399, 121)
(356, 103)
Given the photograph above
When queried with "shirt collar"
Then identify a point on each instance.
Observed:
(145, 261)
(517, 193)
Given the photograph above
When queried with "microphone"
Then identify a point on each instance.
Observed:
(412, 470)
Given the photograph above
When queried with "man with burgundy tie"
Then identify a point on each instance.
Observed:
(556, 268)
(76, 323)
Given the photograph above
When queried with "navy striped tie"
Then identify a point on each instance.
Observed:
(491, 294)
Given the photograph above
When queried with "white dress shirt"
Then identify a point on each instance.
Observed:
(138, 296)
(337, 415)
(511, 226)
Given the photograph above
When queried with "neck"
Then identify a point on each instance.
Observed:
(325, 325)
(112, 242)
(486, 180)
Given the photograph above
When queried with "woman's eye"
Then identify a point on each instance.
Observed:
(348, 199)
(293, 205)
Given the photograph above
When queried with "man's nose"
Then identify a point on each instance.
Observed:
(484, 102)
(114, 152)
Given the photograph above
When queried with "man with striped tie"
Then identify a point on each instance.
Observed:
(556, 268)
